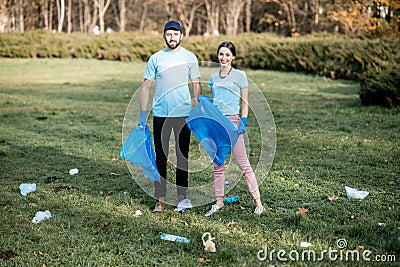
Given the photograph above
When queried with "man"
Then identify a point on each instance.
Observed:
(171, 68)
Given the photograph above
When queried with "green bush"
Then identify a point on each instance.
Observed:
(381, 84)
(333, 56)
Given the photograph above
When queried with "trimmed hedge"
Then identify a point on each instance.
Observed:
(381, 84)
(334, 56)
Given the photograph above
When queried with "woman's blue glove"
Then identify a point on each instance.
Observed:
(242, 126)
(142, 119)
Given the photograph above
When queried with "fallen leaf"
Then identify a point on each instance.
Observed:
(360, 248)
(333, 198)
(174, 219)
(110, 223)
(302, 211)
(202, 260)
(293, 168)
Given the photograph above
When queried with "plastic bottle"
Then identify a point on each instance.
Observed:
(174, 238)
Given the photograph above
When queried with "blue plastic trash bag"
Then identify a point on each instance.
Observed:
(138, 149)
(215, 131)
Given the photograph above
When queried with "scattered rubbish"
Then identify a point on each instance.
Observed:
(231, 199)
(27, 188)
(302, 211)
(184, 205)
(203, 260)
(209, 245)
(353, 193)
(113, 173)
(333, 198)
(51, 179)
(174, 238)
(382, 224)
(352, 217)
(67, 187)
(227, 184)
(305, 244)
(41, 118)
(73, 171)
(41, 216)
(137, 213)
(110, 223)
(6, 255)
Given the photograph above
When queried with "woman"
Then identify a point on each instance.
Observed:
(230, 90)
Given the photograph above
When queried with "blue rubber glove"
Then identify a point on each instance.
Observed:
(142, 119)
(242, 126)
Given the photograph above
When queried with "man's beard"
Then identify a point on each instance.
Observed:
(174, 45)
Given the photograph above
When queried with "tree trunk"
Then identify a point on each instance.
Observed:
(3, 15)
(232, 17)
(81, 20)
(51, 16)
(144, 16)
(102, 7)
(21, 16)
(69, 29)
(248, 15)
(86, 17)
(60, 12)
(213, 8)
(122, 15)
(45, 8)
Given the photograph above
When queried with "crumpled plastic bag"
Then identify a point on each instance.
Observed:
(41, 216)
(353, 193)
(27, 188)
(214, 130)
(184, 205)
(231, 199)
(138, 149)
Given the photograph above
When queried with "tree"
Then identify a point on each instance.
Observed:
(60, 14)
(232, 16)
(102, 9)
(352, 17)
(213, 10)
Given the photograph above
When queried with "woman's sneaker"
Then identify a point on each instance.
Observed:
(214, 209)
(259, 210)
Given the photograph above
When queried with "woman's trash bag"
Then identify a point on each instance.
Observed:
(138, 149)
(214, 130)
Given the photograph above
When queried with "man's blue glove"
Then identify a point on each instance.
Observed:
(242, 126)
(142, 119)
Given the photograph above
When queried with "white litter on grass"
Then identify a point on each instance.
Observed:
(184, 205)
(305, 244)
(353, 193)
(137, 213)
(73, 171)
(41, 216)
(27, 188)
(382, 224)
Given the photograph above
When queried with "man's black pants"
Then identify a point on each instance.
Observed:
(162, 128)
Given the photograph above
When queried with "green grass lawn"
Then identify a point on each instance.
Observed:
(326, 140)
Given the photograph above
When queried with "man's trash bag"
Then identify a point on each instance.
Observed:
(214, 130)
(138, 149)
